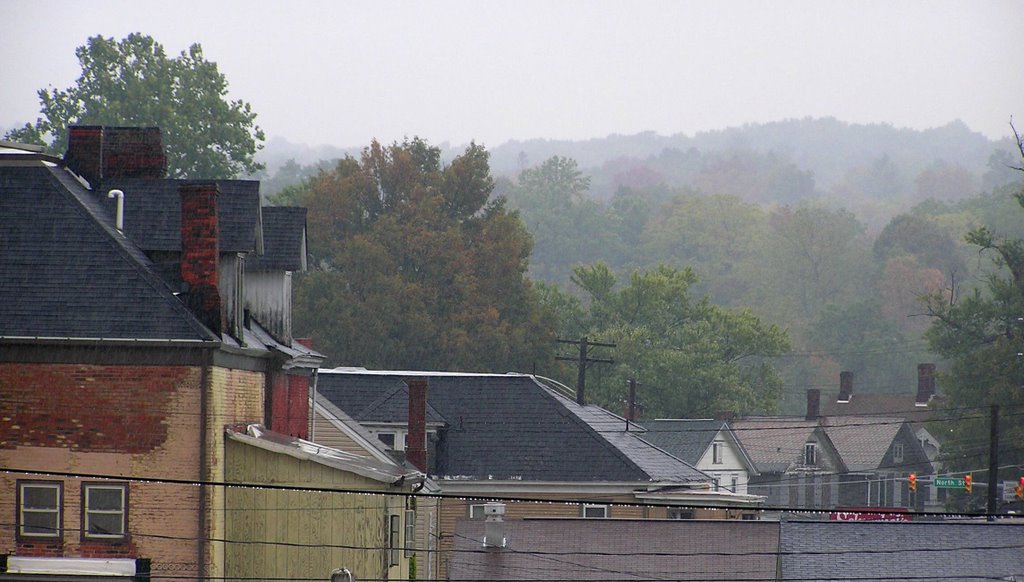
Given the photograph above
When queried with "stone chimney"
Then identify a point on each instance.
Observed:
(925, 384)
(813, 404)
(845, 387)
(416, 449)
(99, 153)
(200, 252)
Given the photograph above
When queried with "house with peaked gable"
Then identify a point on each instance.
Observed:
(882, 451)
(709, 445)
(797, 464)
(129, 340)
(481, 436)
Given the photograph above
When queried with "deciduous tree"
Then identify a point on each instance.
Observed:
(133, 82)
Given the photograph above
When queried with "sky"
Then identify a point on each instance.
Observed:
(344, 73)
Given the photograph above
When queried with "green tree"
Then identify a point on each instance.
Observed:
(693, 357)
(133, 82)
(982, 336)
(417, 269)
(568, 228)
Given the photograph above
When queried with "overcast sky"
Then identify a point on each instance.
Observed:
(343, 73)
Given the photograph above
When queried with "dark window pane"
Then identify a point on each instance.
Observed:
(39, 523)
(105, 524)
(39, 497)
(105, 499)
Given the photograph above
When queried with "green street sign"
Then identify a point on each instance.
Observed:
(949, 483)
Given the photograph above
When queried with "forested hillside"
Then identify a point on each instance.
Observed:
(784, 253)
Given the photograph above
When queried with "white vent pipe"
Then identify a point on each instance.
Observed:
(119, 216)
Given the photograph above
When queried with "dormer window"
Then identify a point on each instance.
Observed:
(716, 453)
(810, 454)
(897, 453)
(388, 438)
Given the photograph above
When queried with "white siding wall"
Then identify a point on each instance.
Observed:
(731, 466)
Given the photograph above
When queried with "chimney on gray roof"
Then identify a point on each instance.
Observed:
(200, 252)
(813, 403)
(845, 387)
(416, 450)
(925, 384)
(99, 153)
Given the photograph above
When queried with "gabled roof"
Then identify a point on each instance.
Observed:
(506, 427)
(284, 239)
(775, 443)
(152, 213)
(864, 550)
(65, 272)
(862, 441)
(618, 549)
(686, 439)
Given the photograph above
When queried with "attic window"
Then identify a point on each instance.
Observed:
(897, 453)
(810, 454)
(595, 511)
(716, 453)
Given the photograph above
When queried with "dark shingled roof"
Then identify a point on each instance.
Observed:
(152, 213)
(284, 237)
(869, 551)
(686, 439)
(618, 549)
(505, 426)
(66, 272)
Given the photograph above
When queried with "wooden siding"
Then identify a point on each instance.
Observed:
(268, 296)
(304, 534)
(328, 435)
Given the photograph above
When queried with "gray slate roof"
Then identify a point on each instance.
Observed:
(773, 443)
(618, 549)
(686, 439)
(284, 240)
(899, 550)
(506, 426)
(65, 272)
(152, 213)
(862, 441)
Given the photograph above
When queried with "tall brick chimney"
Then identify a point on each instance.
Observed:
(200, 252)
(813, 404)
(925, 384)
(416, 449)
(845, 387)
(99, 153)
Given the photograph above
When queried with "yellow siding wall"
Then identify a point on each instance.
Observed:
(304, 534)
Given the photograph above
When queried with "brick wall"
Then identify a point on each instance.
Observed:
(100, 153)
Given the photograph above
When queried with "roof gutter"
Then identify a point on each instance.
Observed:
(91, 341)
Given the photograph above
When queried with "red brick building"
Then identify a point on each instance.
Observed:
(139, 316)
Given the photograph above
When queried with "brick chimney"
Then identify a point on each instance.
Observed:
(813, 404)
(416, 449)
(925, 384)
(200, 252)
(99, 153)
(845, 387)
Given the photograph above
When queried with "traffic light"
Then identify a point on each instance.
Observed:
(967, 483)
(912, 482)
(1019, 490)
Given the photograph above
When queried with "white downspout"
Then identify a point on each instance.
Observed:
(119, 216)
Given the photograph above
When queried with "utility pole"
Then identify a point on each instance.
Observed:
(582, 360)
(993, 462)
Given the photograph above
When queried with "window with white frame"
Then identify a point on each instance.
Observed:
(476, 511)
(810, 454)
(735, 484)
(410, 532)
(595, 511)
(39, 509)
(104, 510)
(716, 453)
(388, 438)
(897, 453)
